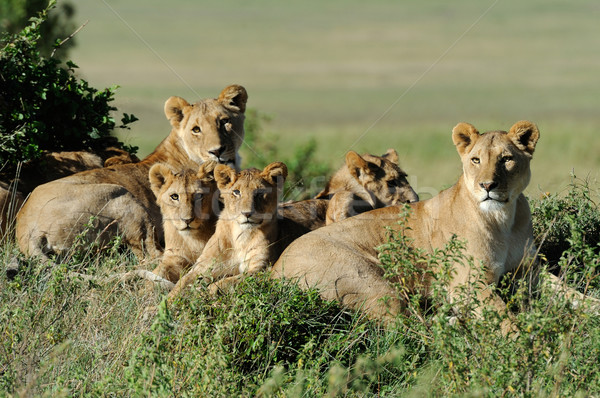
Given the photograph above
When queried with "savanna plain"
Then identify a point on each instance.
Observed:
(324, 78)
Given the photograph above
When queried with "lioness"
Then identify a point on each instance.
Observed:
(189, 206)
(244, 240)
(365, 183)
(119, 197)
(485, 207)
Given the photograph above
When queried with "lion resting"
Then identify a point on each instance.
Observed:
(365, 183)
(245, 238)
(486, 207)
(188, 201)
(118, 199)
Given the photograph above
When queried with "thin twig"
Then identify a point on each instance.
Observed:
(68, 38)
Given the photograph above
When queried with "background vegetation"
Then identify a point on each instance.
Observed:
(364, 76)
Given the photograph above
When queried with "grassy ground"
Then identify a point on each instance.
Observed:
(62, 335)
(364, 76)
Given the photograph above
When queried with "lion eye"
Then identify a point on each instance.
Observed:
(506, 159)
(392, 184)
(174, 196)
(475, 160)
(236, 193)
(196, 130)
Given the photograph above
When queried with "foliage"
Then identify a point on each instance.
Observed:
(469, 353)
(64, 335)
(55, 29)
(46, 107)
(567, 227)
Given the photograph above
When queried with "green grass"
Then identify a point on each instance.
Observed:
(64, 336)
(366, 76)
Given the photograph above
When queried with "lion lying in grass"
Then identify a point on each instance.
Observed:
(365, 183)
(118, 199)
(486, 207)
(245, 238)
(189, 206)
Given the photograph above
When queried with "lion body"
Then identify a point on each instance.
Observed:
(118, 199)
(486, 208)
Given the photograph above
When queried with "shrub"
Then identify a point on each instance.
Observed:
(567, 227)
(44, 106)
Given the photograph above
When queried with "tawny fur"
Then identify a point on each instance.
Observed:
(189, 206)
(119, 196)
(340, 259)
(245, 236)
(365, 183)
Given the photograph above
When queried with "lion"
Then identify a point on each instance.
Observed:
(102, 203)
(486, 208)
(245, 238)
(189, 206)
(365, 183)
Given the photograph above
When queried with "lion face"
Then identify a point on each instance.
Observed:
(251, 196)
(210, 129)
(186, 198)
(496, 164)
(382, 177)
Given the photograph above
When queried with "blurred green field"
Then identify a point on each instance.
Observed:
(364, 76)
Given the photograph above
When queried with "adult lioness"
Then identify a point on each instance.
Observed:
(485, 207)
(119, 197)
(188, 201)
(247, 230)
(365, 183)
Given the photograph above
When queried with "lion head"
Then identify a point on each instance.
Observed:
(210, 129)
(496, 163)
(382, 177)
(186, 198)
(250, 197)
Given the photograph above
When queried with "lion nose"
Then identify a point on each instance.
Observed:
(488, 186)
(217, 152)
(247, 214)
(187, 220)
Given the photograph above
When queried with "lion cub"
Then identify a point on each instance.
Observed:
(243, 242)
(366, 182)
(189, 207)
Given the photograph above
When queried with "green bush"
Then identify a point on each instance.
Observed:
(45, 107)
(63, 335)
(567, 226)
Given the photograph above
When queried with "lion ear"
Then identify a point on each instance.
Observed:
(224, 175)
(391, 155)
(206, 171)
(234, 97)
(275, 171)
(464, 136)
(524, 135)
(158, 177)
(357, 166)
(174, 110)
